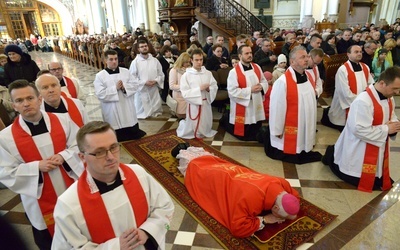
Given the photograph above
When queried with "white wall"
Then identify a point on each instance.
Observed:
(286, 14)
(358, 16)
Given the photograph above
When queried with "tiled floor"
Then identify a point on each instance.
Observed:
(365, 220)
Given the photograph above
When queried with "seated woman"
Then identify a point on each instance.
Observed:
(241, 199)
(216, 61)
(175, 75)
(379, 64)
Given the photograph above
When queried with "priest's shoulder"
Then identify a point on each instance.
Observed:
(139, 170)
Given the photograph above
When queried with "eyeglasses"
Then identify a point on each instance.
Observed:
(103, 153)
(55, 69)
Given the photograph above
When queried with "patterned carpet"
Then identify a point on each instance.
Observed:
(154, 153)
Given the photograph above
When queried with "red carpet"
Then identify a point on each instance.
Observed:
(154, 154)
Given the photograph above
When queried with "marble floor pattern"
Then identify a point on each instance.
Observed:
(365, 220)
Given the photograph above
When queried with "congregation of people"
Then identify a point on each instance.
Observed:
(67, 168)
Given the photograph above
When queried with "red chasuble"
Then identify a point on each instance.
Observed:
(240, 109)
(352, 76)
(29, 152)
(73, 111)
(372, 152)
(95, 212)
(292, 117)
(233, 195)
(71, 87)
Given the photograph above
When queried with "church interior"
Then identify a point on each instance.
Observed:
(364, 220)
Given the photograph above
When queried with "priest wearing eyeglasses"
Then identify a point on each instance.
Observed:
(112, 205)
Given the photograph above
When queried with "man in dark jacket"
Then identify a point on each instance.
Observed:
(167, 61)
(19, 65)
(345, 42)
(368, 52)
(396, 52)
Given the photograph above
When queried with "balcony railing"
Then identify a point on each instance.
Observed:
(233, 15)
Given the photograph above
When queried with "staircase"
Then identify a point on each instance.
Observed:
(228, 17)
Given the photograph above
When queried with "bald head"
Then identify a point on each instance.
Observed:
(56, 69)
(50, 89)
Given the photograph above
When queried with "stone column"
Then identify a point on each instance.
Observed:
(98, 17)
(89, 17)
(110, 17)
(307, 21)
(333, 6)
(142, 17)
(152, 15)
(384, 10)
(324, 9)
(146, 14)
(131, 15)
(124, 19)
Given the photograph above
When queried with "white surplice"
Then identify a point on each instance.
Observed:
(118, 108)
(71, 231)
(307, 109)
(23, 177)
(253, 102)
(343, 96)
(147, 99)
(79, 105)
(190, 89)
(317, 79)
(350, 147)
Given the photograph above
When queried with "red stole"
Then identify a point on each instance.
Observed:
(95, 212)
(315, 71)
(71, 87)
(291, 119)
(312, 81)
(352, 76)
(73, 110)
(372, 153)
(240, 109)
(29, 152)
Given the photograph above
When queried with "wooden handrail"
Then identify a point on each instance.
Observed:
(231, 14)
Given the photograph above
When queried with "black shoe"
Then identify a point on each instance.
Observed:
(327, 159)
(177, 148)
(261, 134)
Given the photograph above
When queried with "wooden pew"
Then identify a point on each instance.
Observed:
(332, 63)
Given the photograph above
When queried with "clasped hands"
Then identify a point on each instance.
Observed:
(132, 238)
(51, 163)
(256, 88)
(120, 85)
(150, 83)
(205, 86)
(394, 127)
